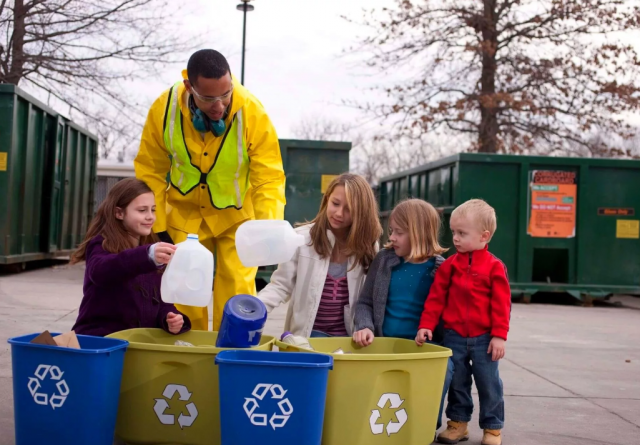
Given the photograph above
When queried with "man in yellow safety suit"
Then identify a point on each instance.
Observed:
(211, 156)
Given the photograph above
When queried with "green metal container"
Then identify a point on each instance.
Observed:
(564, 224)
(309, 166)
(47, 178)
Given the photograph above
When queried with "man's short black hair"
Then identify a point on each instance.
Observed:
(207, 63)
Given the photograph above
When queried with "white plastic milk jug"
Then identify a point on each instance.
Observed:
(266, 242)
(188, 279)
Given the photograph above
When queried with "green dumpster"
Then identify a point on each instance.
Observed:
(564, 224)
(47, 177)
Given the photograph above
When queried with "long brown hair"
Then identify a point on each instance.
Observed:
(105, 223)
(422, 222)
(365, 229)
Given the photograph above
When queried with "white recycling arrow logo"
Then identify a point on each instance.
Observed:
(56, 400)
(401, 415)
(161, 406)
(252, 334)
(277, 393)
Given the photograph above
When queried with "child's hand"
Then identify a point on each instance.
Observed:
(363, 337)
(175, 322)
(423, 335)
(496, 348)
(163, 252)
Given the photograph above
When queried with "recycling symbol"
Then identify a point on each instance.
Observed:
(54, 373)
(401, 415)
(169, 419)
(277, 393)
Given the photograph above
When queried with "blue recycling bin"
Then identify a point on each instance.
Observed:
(65, 396)
(272, 398)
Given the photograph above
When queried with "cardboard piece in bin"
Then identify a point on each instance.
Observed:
(44, 339)
(66, 340)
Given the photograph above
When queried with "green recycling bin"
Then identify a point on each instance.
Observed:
(169, 393)
(385, 394)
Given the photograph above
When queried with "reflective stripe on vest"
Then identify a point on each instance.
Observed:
(228, 179)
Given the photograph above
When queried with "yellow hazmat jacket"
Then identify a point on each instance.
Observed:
(266, 196)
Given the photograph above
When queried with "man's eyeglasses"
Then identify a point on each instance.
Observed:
(209, 99)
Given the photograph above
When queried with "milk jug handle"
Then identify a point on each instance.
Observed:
(295, 241)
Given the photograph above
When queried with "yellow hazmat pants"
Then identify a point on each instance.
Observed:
(231, 277)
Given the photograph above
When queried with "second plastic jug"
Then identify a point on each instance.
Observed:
(266, 242)
(296, 340)
(188, 279)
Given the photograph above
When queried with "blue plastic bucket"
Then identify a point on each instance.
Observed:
(243, 320)
(272, 398)
(65, 396)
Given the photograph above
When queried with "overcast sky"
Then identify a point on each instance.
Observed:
(294, 59)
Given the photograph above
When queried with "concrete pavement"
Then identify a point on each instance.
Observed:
(571, 375)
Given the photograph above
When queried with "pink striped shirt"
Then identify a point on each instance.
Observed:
(330, 316)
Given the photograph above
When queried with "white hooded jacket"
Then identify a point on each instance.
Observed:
(301, 281)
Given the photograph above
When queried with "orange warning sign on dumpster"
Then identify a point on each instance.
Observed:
(553, 204)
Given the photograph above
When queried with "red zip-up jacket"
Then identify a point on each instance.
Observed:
(472, 295)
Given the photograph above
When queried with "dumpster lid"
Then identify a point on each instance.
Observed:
(271, 358)
(88, 344)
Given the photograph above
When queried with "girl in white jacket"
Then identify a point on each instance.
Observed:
(323, 279)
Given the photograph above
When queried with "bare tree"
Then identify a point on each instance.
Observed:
(514, 75)
(320, 128)
(373, 155)
(606, 146)
(86, 52)
(381, 156)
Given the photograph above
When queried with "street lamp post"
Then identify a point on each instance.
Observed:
(244, 7)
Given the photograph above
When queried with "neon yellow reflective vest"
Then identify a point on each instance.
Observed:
(228, 178)
(265, 198)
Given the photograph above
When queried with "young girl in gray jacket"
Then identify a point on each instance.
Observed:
(397, 285)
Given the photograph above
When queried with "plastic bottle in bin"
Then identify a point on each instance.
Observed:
(188, 278)
(296, 340)
(266, 242)
(243, 320)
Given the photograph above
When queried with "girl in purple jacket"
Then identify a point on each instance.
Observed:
(124, 267)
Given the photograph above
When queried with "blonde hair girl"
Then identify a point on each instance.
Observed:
(393, 296)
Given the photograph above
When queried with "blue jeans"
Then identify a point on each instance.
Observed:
(319, 334)
(447, 382)
(470, 359)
